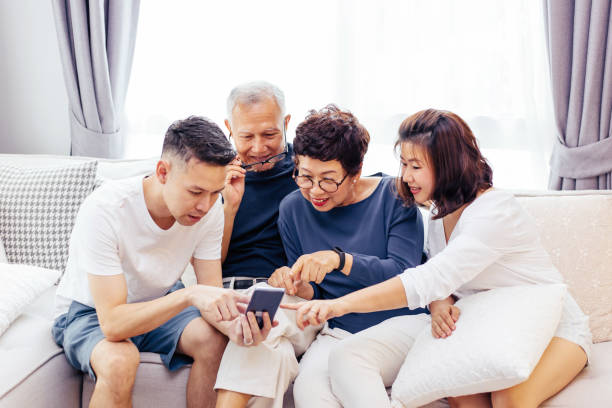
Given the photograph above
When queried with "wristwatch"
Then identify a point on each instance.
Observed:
(342, 256)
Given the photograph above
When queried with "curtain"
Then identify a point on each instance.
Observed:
(96, 43)
(579, 39)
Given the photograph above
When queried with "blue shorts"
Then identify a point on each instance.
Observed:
(78, 332)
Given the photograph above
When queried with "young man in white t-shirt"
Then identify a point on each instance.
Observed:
(131, 242)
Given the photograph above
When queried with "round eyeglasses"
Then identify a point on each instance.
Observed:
(326, 184)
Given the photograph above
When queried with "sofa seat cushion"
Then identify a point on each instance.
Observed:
(27, 344)
(54, 384)
(592, 386)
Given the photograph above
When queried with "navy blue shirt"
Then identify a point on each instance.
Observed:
(383, 236)
(255, 248)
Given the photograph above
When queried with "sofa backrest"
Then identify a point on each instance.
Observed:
(576, 230)
(107, 168)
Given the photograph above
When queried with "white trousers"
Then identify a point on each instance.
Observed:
(363, 365)
(265, 371)
(337, 368)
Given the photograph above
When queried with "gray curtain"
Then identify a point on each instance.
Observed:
(579, 39)
(96, 43)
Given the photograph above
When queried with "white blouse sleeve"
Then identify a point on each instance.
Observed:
(492, 227)
(461, 261)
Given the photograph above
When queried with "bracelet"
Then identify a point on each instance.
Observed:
(342, 256)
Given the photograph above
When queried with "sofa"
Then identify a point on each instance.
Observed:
(576, 229)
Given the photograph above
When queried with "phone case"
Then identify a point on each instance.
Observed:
(265, 300)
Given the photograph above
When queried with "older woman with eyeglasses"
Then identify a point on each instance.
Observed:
(341, 233)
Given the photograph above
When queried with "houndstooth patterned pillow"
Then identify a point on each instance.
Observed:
(37, 211)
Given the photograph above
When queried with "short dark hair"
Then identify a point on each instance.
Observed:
(460, 170)
(200, 138)
(332, 134)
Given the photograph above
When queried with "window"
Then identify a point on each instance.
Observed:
(383, 60)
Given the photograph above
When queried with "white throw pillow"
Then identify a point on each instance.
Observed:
(499, 338)
(21, 285)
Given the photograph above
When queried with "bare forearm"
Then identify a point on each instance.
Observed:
(223, 326)
(386, 295)
(132, 319)
(228, 227)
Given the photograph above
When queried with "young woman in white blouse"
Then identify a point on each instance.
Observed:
(479, 239)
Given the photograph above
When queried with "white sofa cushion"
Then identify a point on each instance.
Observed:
(576, 230)
(26, 348)
(21, 285)
(37, 211)
(498, 340)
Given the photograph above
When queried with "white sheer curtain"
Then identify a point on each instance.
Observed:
(382, 60)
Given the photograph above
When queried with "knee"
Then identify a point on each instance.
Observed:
(346, 357)
(341, 359)
(457, 403)
(510, 398)
(117, 366)
(303, 388)
(205, 343)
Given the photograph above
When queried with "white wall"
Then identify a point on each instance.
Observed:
(33, 101)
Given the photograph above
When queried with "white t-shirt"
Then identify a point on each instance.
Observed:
(494, 244)
(115, 234)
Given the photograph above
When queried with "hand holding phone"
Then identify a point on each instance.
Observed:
(265, 300)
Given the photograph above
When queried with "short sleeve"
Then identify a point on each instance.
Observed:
(94, 243)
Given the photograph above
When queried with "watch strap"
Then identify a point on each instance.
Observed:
(342, 256)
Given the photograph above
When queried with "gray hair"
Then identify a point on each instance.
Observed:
(253, 92)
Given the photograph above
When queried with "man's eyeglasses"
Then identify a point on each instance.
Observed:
(272, 160)
(326, 184)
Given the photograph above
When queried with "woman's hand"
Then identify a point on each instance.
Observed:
(315, 312)
(444, 314)
(282, 278)
(313, 267)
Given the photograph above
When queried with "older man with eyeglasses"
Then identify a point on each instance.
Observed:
(260, 177)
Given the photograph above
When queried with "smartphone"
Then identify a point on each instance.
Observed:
(265, 300)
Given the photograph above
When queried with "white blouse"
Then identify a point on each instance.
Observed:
(494, 244)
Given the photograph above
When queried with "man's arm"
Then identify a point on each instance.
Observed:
(243, 331)
(232, 196)
(207, 272)
(120, 320)
(229, 216)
